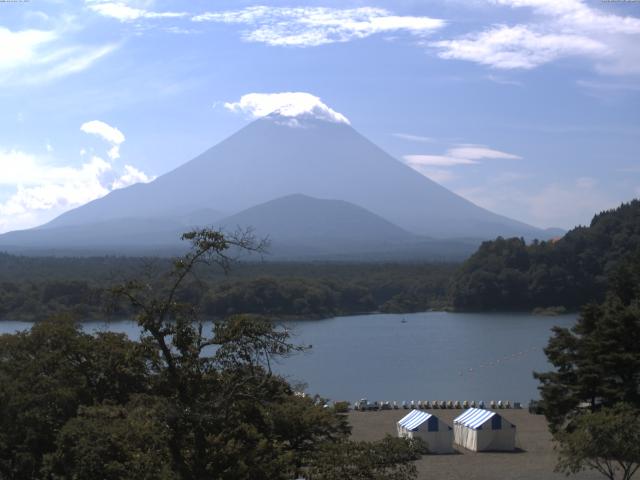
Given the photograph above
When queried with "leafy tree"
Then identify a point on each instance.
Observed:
(607, 441)
(113, 442)
(388, 459)
(47, 374)
(231, 418)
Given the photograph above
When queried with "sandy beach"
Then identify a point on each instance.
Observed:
(534, 459)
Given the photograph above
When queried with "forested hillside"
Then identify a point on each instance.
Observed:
(33, 288)
(508, 274)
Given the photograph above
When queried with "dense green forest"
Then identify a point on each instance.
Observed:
(80, 406)
(508, 274)
(32, 288)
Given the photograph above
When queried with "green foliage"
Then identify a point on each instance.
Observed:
(597, 362)
(47, 374)
(388, 459)
(592, 398)
(341, 407)
(35, 288)
(190, 400)
(507, 274)
(607, 441)
(113, 442)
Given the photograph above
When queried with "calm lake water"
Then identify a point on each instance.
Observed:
(422, 356)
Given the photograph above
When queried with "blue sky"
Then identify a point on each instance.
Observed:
(530, 108)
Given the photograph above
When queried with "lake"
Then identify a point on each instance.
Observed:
(421, 356)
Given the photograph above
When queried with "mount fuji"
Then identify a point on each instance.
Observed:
(324, 170)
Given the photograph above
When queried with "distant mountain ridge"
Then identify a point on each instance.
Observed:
(302, 218)
(270, 159)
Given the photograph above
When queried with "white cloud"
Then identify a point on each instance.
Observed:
(286, 104)
(414, 138)
(437, 160)
(104, 130)
(130, 176)
(519, 46)
(431, 166)
(314, 26)
(37, 56)
(478, 152)
(465, 154)
(576, 13)
(559, 29)
(79, 185)
(44, 190)
(111, 134)
(124, 13)
(19, 168)
(25, 45)
(76, 59)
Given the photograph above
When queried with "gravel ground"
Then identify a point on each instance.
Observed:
(534, 458)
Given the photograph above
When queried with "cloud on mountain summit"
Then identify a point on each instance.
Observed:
(286, 104)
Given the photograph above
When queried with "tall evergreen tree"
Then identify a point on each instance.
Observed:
(597, 362)
(592, 398)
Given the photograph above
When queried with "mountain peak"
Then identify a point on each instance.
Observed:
(302, 120)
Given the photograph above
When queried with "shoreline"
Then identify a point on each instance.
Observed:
(319, 317)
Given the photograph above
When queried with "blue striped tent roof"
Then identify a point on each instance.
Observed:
(414, 419)
(474, 418)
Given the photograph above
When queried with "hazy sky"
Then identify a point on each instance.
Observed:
(530, 108)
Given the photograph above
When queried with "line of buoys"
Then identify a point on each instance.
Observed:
(365, 405)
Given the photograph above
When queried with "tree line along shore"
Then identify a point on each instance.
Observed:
(503, 275)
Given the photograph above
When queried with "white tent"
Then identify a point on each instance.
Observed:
(437, 435)
(478, 429)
